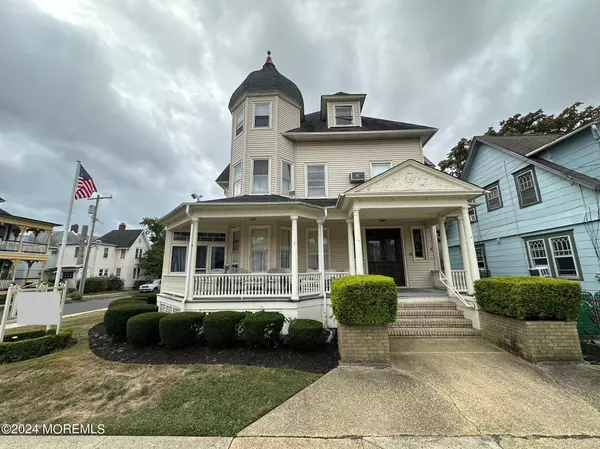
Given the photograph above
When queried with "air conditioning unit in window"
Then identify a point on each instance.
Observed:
(356, 177)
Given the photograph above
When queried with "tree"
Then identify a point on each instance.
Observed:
(533, 123)
(151, 262)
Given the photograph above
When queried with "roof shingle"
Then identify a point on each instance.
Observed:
(124, 238)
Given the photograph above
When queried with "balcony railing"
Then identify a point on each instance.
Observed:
(13, 246)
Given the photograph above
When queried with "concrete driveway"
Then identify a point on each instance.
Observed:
(445, 388)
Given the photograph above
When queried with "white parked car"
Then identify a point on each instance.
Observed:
(154, 286)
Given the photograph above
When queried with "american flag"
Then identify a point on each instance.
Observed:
(85, 185)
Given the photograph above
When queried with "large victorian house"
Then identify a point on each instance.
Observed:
(311, 197)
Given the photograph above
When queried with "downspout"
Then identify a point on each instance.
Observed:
(323, 275)
(186, 288)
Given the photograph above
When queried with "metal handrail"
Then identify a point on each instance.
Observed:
(455, 292)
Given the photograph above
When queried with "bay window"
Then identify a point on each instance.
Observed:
(285, 248)
(239, 122)
(260, 176)
(312, 249)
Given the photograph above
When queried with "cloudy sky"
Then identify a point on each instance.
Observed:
(138, 89)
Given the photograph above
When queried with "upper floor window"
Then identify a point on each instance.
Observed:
(262, 112)
(105, 255)
(239, 122)
(286, 178)
(493, 197)
(123, 253)
(527, 188)
(378, 168)
(343, 116)
(237, 179)
(473, 215)
(138, 252)
(316, 181)
(481, 259)
(260, 176)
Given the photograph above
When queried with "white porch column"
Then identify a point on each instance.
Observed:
(436, 249)
(445, 253)
(294, 219)
(470, 244)
(190, 268)
(464, 252)
(358, 243)
(351, 261)
(322, 267)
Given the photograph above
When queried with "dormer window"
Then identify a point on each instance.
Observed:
(239, 122)
(344, 115)
(262, 113)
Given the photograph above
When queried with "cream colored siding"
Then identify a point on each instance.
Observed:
(237, 148)
(331, 112)
(288, 118)
(260, 142)
(419, 271)
(344, 157)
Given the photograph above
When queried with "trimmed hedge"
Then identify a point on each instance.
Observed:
(149, 298)
(221, 328)
(306, 335)
(95, 284)
(115, 318)
(114, 283)
(118, 302)
(178, 330)
(76, 296)
(29, 347)
(26, 335)
(364, 299)
(143, 329)
(529, 298)
(263, 328)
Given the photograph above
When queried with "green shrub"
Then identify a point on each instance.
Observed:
(306, 335)
(529, 298)
(75, 296)
(118, 302)
(150, 298)
(95, 284)
(221, 328)
(23, 349)
(263, 328)
(25, 335)
(364, 299)
(115, 318)
(114, 283)
(180, 329)
(143, 329)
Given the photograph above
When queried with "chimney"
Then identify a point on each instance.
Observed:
(122, 227)
(75, 228)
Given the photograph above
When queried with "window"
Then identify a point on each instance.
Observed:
(103, 272)
(105, 255)
(235, 249)
(262, 112)
(472, 215)
(118, 273)
(67, 275)
(343, 116)
(211, 237)
(260, 176)
(123, 253)
(537, 253)
(239, 122)
(564, 259)
(316, 181)
(527, 188)
(76, 252)
(285, 248)
(480, 256)
(135, 273)
(286, 178)
(237, 179)
(181, 236)
(312, 248)
(418, 237)
(557, 252)
(260, 250)
(138, 252)
(493, 197)
(178, 259)
(55, 251)
(378, 168)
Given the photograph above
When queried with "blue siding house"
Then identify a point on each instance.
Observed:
(541, 212)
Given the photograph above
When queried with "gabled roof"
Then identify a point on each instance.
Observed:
(124, 238)
(224, 176)
(595, 121)
(519, 144)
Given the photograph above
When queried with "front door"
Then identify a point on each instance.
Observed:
(384, 254)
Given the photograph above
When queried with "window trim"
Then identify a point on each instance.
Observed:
(343, 105)
(424, 238)
(328, 260)
(536, 186)
(241, 181)
(123, 253)
(118, 272)
(474, 209)
(310, 164)
(105, 253)
(550, 253)
(486, 268)
(250, 229)
(379, 162)
(235, 117)
(173, 245)
(231, 232)
(284, 161)
(491, 186)
(270, 103)
(288, 229)
(268, 159)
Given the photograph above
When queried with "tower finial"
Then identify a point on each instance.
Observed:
(269, 61)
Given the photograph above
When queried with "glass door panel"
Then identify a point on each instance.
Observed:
(217, 258)
(201, 255)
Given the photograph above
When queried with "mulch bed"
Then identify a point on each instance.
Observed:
(591, 351)
(103, 346)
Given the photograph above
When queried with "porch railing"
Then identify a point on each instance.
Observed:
(243, 285)
(308, 283)
(331, 276)
(448, 284)
(13, 246)
(173, 284)
(459, 280)
(5, 283)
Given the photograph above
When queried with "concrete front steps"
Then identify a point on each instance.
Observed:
(431, 319)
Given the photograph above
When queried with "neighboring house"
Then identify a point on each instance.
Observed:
(309, 197)
(541, 213)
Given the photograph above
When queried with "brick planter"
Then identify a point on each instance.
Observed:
(364, 345)
(535, 341)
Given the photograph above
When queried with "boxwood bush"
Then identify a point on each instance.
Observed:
(115, 318)
(31, 344)
(529, 298)
(143, 329)
(121, 301)
(114, 283)
(150, 298)
(306, 335)
(178, 330)
(364, 299)
(263, 328)
(221, 328)
(95, 284)
(76, 296)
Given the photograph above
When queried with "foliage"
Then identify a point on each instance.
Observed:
(150, 298)
(182, 329)
(533, 123)
(263, 328)
(118, 302)
(529, 297)
(25, 335)
(306, 335)
(364, 299)
(114, 283)
(95, 285)
(138, 282)
(76, 296)
(221, 328)
(151, 262)
(143, 329)
(115, 318)
(27, 346)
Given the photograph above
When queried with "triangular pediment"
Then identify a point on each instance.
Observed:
(412, 176)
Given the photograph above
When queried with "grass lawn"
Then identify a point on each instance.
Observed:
(75, 386)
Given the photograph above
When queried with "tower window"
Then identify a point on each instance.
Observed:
(239, 122)
(262, 112)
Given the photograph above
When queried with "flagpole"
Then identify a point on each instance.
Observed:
(61, 251)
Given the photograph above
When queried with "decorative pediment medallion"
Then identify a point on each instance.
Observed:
(410, 179)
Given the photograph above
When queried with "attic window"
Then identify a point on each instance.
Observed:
(343, 116)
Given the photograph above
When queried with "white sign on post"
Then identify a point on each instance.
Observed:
(38, 308)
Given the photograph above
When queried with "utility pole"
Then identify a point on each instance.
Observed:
(89, 243)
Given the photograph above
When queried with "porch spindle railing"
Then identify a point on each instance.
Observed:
(330, 276)
(243, 285)
(459, 280)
